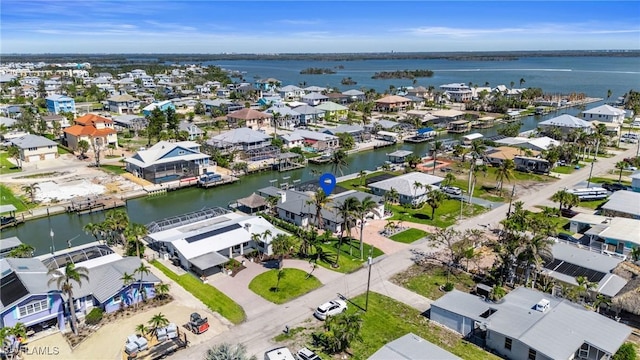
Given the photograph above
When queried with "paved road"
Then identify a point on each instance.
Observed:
(257, 332)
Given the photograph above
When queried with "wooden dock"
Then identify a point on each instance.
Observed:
(90, 205)
(8, 222)
(226, 179)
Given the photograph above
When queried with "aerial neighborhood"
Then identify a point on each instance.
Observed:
(152, 208)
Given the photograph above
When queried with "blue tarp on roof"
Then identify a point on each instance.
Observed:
(425, 130)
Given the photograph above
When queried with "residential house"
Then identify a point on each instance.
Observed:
(416, 101)
(221, 105)
(387, 125)
(419, 91)
(269, 84)
(192, 129)
(292, 140)
(123, 104)
(411, 347)
(623, 203)
(290, 92)
(354, 95)
(269, 100)
(34, 148)
(162, 105)
(8, 244)
(537, 144)
(59, 119)
(243, 138)
(392, 103)
(91, 128)
(565, 123)
(532, 164)
(605, 113)
(399, 156)
(284, 116)
(528, 324)
(169, 161)
(60, 103)
(317, 140)
(316, 89)
(405, 186)
(356, 131)
(130, 122)
(211, 239)
(309, 114)
(333, 111)
(338, 98)
(457, 92)
(609, 235)
(250, 118)
(496, 156)
(447, 115)
(635, 181)
(314, 98)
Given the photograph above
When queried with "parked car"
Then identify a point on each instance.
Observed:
(613, 187)
(306, 354)
(330, 308)
(628, 140)
(631, 168)
(452, 190)
(566, 237)
(568, 213)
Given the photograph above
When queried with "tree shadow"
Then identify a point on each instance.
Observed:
(422, 216)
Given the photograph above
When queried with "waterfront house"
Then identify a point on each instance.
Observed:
(192, 129)
(34, 148)
(10, 243)
(284, 116)
(392, 103)
(162, 105)
(269, 84)
(457, 92)
(447, 115)
(91, 128)
(168, 161)
(290, 92)
(317, 140)
(458, 126)
(406, 187)
(623, 203)
(333, 111)
(130, 122)
(565, 124)
(60, 103)
(356, 131)
(605, 113)
(309, 114)
(223, 106)
(243, 139)
(123, 104)
(292, 140)
(399, 156)
(610, 235)
(529, 324)
(250, 118)
(207, 239)
(354, 95)
(411, 347)
(314, 98)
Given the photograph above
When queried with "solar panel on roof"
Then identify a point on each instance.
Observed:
(381, 177)
(574, 270)
(211, 233)
(11, 289)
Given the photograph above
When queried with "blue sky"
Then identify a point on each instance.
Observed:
(207, 26)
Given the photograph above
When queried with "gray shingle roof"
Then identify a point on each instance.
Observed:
(404, 184)
(32, 141)
(566, 120)
(240, 136)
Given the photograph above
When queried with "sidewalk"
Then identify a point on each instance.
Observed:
(402, 295)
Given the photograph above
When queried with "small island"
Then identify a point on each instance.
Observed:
(348, 81)
(402, 74)
(317, 71)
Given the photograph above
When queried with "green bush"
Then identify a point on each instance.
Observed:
(448, 287)
(626, 352)
(94, 316)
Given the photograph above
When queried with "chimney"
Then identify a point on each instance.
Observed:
(283, 197)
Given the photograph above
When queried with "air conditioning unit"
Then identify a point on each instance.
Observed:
(543, 305)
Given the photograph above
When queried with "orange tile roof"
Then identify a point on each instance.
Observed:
(89, 130)
(91, 119)
(392, 99)
(248, 114)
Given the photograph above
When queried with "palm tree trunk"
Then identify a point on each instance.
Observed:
(72, 312)
(361, 245)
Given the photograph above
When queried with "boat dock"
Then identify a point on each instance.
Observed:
(90, 205)
(226, 179)
(320, 160)
(160, 189)
(418, 139)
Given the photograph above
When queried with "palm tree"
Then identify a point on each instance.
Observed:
(162, 290)
(282, 245)
(227, 351)
(346, 212)
(30, 190)
(279, 276)
(362, 209)
(14, 153)
(635, 253)
(345, 328)
(142, 270)
(434, 200)
(449, 179)
(95, 230)
(64, 282)
(22, 251)
(584, 285)
(609, 93)
(142, 329)
(128, 279)
(416, 185)
(339, 161)
(134, 232)
(522, 81)
(266, 235)
(319, 201)
(601, 300)
(621, 165)
(505, 172)
(116, 222)
(362, 175)
(392, 195)
(157, 321)
(497, 293)
(437, 146)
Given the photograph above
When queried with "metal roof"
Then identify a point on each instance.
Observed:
(624, 201)
(412, 347)
(32, 141)
(208, 260)
(7, 208)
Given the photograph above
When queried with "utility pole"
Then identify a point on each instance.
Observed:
(590, 173)
(513, 193)
(370, 261)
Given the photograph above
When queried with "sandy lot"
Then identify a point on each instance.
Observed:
(108, 341)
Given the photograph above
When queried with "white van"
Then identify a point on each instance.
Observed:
(281, 353)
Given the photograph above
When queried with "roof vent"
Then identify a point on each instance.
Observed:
(542, 305)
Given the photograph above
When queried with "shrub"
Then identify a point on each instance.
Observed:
(448, 287)
(626, 352)
(94, 316)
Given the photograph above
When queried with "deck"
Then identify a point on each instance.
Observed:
(89, 205)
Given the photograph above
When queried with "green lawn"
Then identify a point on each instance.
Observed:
(427, 281)
(600, 180)
(358, 183)
(349, 255)
(62, 150)
(113, 169)
(7, 166)
(593, 204)
(210, 296)
(563, 169)
(387, 320)
(9, 198)
(446, 215)
(294, 283)
(408, 236)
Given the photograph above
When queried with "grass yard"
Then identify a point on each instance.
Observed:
(427, 281)
(388, 320)
(563, 169)
(446, 215)
(349, 255)
(210, 296)
(6, 166)
(294, 283)
(593, 204)
(113, 169)
(601, 180)
(9, 198)
(408, 236)
(358, 182)
(63, 150)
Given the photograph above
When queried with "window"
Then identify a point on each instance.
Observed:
(507, 343)
(32, 308)
(532, 354)
(117, 300)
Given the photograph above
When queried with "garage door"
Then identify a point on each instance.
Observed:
(49, 156)
(33, 158)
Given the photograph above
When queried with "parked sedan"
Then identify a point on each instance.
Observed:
(306, 354)
(330, 308)
(452, 190)
(613, 187)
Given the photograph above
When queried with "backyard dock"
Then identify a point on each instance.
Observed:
(320, 160)
(226, 179)
(90, 205)
(417, 139)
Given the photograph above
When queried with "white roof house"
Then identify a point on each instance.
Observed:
(623, 203)
(314, 135)
(411, 347)
(605, 113)
(534, 323)
(567, 121)
(167, 152)
(243, 137)
(405, 185)
(538, 144)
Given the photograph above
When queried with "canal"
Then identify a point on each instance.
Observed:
(67, 228)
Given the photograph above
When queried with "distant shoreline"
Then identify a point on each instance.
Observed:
(198, 58)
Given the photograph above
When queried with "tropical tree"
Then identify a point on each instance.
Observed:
(340, 331)
(133, 233)
(435, 198)
(22, 251)
(158, 321)
(319, 201)
(447, 238)
(94, 229)
(585, 286)
(437, 146)
(413, 160)
(345, 210)
(363, 208)
(282, 245)
(497, 293)
(162, 290)
(14, 153)
(115, 223)
(279, 276)
(600, 301)
(392, 195)
(449, 179)
(505, 172)
(621, 165)
(226, 351)
(64, 281)
(142, 270)
(362, 175)
(522, 81)
(83, 147)
(417, 185)
(142, 329)
(128, 279)
(635, 253)
(30, 190)
(565, 199)
(339, 161)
